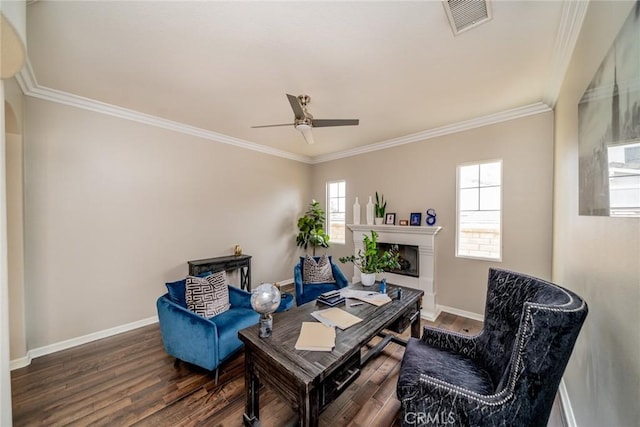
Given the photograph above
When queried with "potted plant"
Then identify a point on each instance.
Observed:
(371, 261)
(380, 208)
(311, 228)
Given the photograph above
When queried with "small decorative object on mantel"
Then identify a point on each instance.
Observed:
(237, 251)
(390, 219)
(380, 208)
(356, 212)
(431, 217)
(416, 218)
(265, 299)
(370, 212)
(404, 222)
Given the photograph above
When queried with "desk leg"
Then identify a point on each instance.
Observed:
(415, 323)
(308, 408)
(252, 392)
(245, 279)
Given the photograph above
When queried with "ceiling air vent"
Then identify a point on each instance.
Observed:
(466, 14)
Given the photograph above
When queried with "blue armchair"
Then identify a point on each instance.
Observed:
(194, 339)
(507, 375)
(311, 291)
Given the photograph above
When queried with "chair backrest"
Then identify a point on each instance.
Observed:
(530, 329)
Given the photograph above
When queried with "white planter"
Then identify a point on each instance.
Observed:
(368, 279)
(379, 221)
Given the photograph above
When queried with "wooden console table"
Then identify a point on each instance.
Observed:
(226, 263)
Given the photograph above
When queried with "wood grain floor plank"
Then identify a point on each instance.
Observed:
(129, 380)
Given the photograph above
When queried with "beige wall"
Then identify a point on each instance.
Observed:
(15, 215)
(115, 208)
(597, 257)
(422, 175)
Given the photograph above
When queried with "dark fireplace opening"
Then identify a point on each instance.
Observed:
(409, 259)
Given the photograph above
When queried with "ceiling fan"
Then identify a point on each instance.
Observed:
(304, 121)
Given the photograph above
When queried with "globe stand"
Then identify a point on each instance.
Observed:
(265, 300)
(266, 325)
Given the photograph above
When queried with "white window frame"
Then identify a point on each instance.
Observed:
(458, 210)
(328, 221)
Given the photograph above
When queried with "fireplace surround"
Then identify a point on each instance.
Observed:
(421, 237)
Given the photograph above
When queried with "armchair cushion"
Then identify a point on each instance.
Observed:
(176, 290)
(228, 324)
(317, 271)
(442, 365)
(208, 296)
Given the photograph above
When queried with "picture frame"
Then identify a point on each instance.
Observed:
(416, 218)
(404, 222)
(390, 219)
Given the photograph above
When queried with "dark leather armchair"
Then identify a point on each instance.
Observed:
(507, 375)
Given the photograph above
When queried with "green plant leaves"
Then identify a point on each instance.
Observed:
(371, 260)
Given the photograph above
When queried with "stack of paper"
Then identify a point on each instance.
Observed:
(316, 337)
(336, 317)
(374, 298)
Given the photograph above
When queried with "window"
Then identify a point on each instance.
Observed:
(479, 211)
(336, 196)
(624, 179)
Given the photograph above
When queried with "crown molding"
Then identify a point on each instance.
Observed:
(573, 13)
(29, 86)
(503, 116)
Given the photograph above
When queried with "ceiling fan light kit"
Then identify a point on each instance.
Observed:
(304, 121)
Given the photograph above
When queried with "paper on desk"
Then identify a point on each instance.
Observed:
(316, 336)
(336, 317)
(374, 298)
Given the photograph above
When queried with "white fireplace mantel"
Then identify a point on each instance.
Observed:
(424, 238)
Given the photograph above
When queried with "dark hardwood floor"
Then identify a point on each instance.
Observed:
(128, 380)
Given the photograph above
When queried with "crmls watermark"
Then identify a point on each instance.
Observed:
(442, 418)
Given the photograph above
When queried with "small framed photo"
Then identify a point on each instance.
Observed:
(390, 219)
(416, 218)
(404, 222)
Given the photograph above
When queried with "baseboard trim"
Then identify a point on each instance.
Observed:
(20, 363)
(74, 342)
(568, 418)
(463, 313)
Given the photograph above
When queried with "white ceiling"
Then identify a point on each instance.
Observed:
(223, 67)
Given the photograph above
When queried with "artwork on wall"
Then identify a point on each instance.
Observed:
(609, 129)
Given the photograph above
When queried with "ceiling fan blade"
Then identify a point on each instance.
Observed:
(272, 126)
(320, 123)
(296, 106)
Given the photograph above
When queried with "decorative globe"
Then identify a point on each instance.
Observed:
(265, 299)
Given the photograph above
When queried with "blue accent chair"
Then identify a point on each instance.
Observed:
(203, 342)
(509, 373)
(311, 291)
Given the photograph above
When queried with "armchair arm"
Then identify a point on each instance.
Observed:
(239, 297)
(341, 279)
(447, 340)
(297, 280)
(186, 335)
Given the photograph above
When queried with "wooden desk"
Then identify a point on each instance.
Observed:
(311, 380)
(225, 263)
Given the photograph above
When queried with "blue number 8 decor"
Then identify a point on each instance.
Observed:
(431, 217)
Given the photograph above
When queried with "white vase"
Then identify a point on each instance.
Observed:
(356, 212)
(370, 212)
(379, 221)
(368, 279)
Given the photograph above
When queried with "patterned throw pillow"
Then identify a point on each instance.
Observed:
(208, 296)
(317, 272)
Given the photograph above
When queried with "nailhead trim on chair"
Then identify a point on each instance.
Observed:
(514, 371)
